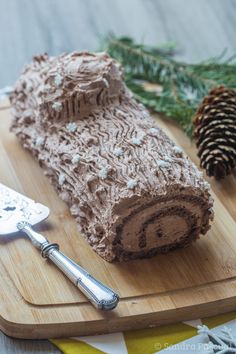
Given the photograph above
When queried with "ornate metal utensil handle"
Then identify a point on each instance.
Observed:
(99, 295)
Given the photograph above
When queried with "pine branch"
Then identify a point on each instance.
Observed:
(221, 74)
(165, 104)
(183, 85)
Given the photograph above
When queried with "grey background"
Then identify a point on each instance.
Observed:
(200, 29)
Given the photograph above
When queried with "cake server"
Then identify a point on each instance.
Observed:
(19, 213)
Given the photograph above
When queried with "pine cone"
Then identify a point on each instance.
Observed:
(215, 132)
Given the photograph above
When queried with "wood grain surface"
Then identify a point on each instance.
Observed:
(38, 301)
(199, 28)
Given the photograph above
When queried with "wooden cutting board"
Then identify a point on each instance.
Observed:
(37, 301)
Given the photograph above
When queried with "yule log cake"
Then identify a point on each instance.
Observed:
(133, 192)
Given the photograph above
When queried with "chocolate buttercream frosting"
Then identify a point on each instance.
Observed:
(132, 191)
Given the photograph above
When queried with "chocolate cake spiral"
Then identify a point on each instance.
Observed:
(132, 191)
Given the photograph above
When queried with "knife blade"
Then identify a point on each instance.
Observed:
(20, 213)
(15, 207)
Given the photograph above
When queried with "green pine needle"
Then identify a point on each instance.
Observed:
(183, 85)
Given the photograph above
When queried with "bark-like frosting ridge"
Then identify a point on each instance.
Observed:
(71, 86)
(132, 191)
